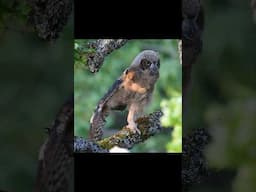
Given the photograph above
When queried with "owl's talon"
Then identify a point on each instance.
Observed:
(133, 128)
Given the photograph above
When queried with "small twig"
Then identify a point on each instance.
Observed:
(102, 48)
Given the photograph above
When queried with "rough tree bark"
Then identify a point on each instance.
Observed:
(194, 165)
(191, 44)
(48, 17)
(55, 165)
(102, 48)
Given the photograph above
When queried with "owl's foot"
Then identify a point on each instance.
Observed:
(133, 127)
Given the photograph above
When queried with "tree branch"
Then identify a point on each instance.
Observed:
(253, 7)
(148, 125)
(82, 145)
(102, 48)
(48, 17)
(194, 165)
(56, 153)
(191, 45)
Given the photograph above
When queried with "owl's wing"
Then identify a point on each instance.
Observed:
(98, 118)
(112, 90)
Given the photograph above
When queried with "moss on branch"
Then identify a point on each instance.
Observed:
(148, 125)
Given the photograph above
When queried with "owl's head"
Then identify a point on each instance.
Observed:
(148, 61)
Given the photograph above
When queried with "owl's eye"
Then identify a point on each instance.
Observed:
(126, 71)
(145, 64)
(158, 63)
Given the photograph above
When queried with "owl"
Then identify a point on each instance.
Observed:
(132, 90)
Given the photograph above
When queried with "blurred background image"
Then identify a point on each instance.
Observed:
(222, 98)
(36, 78)
(89, 88)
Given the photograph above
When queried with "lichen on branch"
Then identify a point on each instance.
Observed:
(82, 145)
(194, 164)
(49, 17)
(148, 125)
(102, 47)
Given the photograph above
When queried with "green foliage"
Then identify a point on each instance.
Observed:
(223, 91)
(80, 53)
(234, 141)
(36, 79)
(89, 88)
(172, 109)
(234, 134)
(245, 180)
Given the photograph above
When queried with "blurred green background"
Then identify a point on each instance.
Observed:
(222, 96)
(36, 78)
(89, 88)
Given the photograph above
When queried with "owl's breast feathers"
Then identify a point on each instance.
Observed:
(130, 85)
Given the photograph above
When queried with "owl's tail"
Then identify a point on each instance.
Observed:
(97, 123)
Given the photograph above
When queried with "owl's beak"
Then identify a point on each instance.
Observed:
(153, 69)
